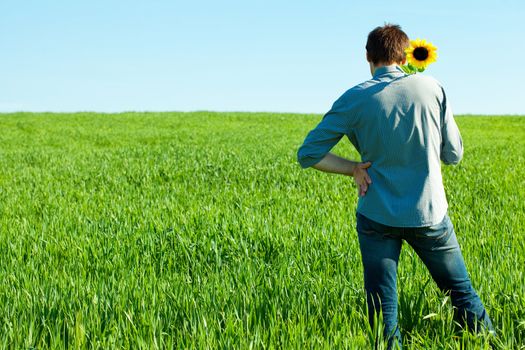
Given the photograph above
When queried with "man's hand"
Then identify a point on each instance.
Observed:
(334, 164)
(361, 177)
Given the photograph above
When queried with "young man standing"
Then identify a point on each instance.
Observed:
(403, 127)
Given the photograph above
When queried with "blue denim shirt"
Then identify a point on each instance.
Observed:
(404, 125)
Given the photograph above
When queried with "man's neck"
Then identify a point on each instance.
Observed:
(374, 68)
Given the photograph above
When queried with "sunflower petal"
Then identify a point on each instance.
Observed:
(421, 64)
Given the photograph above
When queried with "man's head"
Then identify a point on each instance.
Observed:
(386, 45)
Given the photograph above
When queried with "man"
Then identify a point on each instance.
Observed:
(403, 127)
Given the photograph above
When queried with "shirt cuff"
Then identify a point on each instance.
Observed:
(307, 162)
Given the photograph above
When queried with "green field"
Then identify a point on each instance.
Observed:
(200, 230)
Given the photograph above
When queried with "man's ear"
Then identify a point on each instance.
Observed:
(404, 61)
(367, 57)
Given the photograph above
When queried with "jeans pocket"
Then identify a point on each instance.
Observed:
(438, 232)
(371, 228)
(366, 230)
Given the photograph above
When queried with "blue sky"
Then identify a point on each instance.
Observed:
(281, 56)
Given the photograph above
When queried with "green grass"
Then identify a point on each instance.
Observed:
(200, 230)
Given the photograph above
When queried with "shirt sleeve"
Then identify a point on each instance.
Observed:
(325, 136)
(451, 142)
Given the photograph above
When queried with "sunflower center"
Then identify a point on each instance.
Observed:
(420, 53)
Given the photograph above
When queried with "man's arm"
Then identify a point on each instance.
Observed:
(334, 125)
(316, 147)
(337, 165)
(451, 142)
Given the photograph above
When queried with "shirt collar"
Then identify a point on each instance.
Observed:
(387, 69)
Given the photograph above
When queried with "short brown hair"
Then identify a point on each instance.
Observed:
(387, 44)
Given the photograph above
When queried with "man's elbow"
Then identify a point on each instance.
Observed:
(307, 160)
(452, 158)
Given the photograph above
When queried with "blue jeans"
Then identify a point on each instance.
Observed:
(438, 248)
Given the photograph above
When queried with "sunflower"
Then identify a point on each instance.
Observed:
(421, 53)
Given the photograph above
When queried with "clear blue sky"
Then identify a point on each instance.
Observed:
(282, 56)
